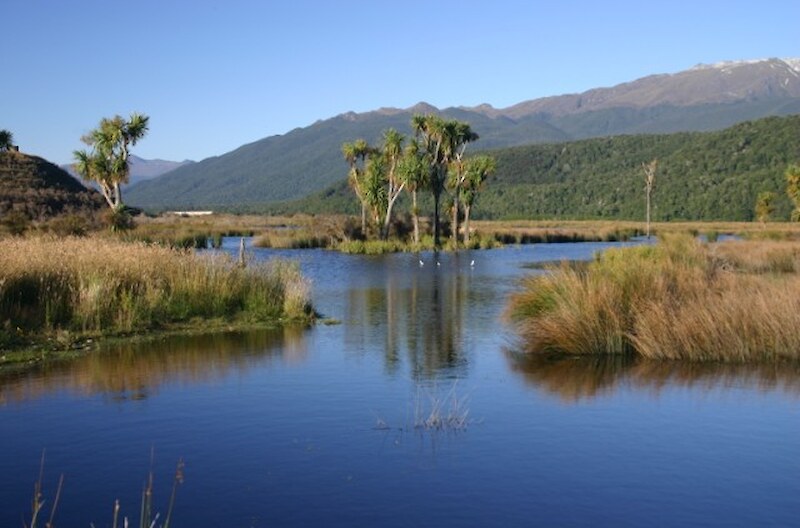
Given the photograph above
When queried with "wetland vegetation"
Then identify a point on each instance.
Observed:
(55, 292)
(680, 299)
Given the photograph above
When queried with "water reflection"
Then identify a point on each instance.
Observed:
(135, 370)
(575, 379)
(420, 315)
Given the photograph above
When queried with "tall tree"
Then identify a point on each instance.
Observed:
(442, 142)
(107, 161)
(395, 183)
(429, 132)
(476, 171)
(374, 188)
(6, 140)
(459, 135)
(413, 171)
(793, 189)
(356, 155)
(649, 184)
(765, 206)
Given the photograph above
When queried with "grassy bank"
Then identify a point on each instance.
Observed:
(343, 233)
(76, 287)
(680, 299)
(199, 231)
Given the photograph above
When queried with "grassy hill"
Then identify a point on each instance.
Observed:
(700, 176)
(39, 190)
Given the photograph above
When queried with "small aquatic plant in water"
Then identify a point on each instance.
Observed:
(147, 518)
(434, 410)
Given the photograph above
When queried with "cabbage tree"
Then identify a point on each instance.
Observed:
(106, 163)
(6, 140)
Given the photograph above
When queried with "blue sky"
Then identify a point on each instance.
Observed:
(213, 76)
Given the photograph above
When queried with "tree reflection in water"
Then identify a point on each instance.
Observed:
(421, 317)
(573, 379)
(135, 370)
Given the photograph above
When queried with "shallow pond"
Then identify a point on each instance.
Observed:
(413, 411)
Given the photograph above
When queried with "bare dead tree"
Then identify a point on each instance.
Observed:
(649, 183)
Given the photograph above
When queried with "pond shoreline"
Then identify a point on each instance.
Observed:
(61, 295)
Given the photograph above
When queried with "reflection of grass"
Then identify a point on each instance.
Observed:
(136, 367)
(574, 379)
(678, 300)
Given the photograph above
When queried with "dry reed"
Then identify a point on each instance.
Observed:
(680, 299)
(103, 286)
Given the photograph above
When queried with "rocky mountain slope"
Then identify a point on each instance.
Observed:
(308, 159)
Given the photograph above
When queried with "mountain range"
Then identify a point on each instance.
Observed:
(307, 160)
(141, 169)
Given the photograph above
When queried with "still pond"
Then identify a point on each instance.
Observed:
(413, 411)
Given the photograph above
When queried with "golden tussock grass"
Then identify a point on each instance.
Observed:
(680, 299)
(99, 285)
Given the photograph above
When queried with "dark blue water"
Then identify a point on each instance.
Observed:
(319, 426)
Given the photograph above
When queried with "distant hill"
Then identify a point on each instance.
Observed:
(700, 176)
(142, 169)
(41, 190)
(307, 160)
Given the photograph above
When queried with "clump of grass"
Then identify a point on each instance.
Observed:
(373, 247)
(434, 411)
(553, 235)
(483, 241)
(678, 300)
(291, 240)
(102, 286)
(762, 257)
(770, 234)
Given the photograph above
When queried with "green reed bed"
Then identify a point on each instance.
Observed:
(376, 247)
(291, 240)
(555, 236)
(99, 286)
(680, 299)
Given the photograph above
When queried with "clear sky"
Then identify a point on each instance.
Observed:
(215, 75)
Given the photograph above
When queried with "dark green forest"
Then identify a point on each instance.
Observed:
(700, 176)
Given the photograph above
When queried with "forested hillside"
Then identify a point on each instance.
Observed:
(700, 176)
(307, 160)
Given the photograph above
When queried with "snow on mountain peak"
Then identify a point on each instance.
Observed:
(793, 63)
